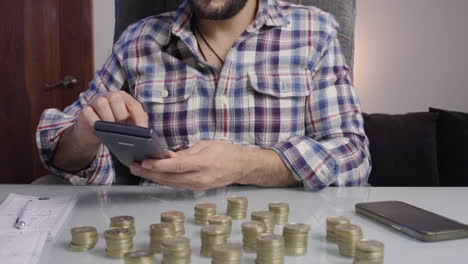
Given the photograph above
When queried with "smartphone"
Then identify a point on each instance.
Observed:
(411, 220)
(129, 143)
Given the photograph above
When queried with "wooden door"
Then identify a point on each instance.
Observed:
(41, 42)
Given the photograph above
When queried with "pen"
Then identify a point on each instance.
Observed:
(21, 221)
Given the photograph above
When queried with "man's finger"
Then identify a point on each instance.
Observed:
(180, 164)
(199, 146)
(103, 110)
(135, 109)
(186, 180)
(172, 154)
(118, 107)
(89, 116)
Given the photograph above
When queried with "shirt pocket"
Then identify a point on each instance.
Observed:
(170, 107)
(278, 102)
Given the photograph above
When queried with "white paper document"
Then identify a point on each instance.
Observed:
(46, 214)
(24, 248)
(43, 217)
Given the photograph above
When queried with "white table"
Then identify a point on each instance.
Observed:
(97, 204)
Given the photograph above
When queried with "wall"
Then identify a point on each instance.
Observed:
(409, 54)
(104, 19)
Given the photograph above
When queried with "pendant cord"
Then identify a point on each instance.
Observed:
(208, 45)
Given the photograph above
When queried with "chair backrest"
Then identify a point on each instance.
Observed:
(129, 11)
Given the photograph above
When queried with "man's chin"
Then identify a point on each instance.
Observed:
(217, 10)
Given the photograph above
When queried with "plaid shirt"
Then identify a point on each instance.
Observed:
(284, 85)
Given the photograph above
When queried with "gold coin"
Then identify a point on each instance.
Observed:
(332, 222)
(159, 232)
(176, 243)
(172, 215)
(177, 218)
(211, 235)
(237, 207)
(139, 257)
(117, 233)
(297, 228)
(337, 220)
(270, 249)
(83, 238)
(250, 231)
(370, 246)
(295, 238)
(220, 219)
(266, 217)
(280, 212)
(176, 250)
(228, 253)
(118, 242)
(205, 207)
(123, 221)
(203, 212)
(347, 235)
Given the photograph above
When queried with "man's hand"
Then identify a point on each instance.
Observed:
(213, 164)
(78, 145)
(117, 107)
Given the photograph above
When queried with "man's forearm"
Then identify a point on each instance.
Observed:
(267, 169)
(71, 155)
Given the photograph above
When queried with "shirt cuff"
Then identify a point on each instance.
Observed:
(308, 161)
(48, 137)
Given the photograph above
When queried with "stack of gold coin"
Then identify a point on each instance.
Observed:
(222, 220)
(370, 250)
(270, 249)
(83, 238)
(295, 239)
(227, 254)
(237, 207)
(267, 218)
(123, 221)
(332, 222)
(176, 218)
(119, 241)
(203, 212)
(250, 231)
(211, 235)
(347, 235)
(364, 262)
(140, 257)
(176, 250)
(280, 212)
(159, 232)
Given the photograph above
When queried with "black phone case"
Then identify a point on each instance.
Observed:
(395, 214)
(129, 143)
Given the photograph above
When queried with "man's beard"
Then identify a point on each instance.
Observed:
(228, 10)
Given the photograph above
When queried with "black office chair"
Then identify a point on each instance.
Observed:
(130, 11)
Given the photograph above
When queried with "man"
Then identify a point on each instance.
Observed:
(252, 92)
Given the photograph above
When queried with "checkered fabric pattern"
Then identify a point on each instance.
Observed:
(285, 86)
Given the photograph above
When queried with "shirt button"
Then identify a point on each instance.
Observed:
(224, 99)
(282, 86)
(164, 93)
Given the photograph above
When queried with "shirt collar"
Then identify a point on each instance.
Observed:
(269, 14)
(182, 20)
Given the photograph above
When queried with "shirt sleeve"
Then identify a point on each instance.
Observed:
(335, 149)
(54, 122)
